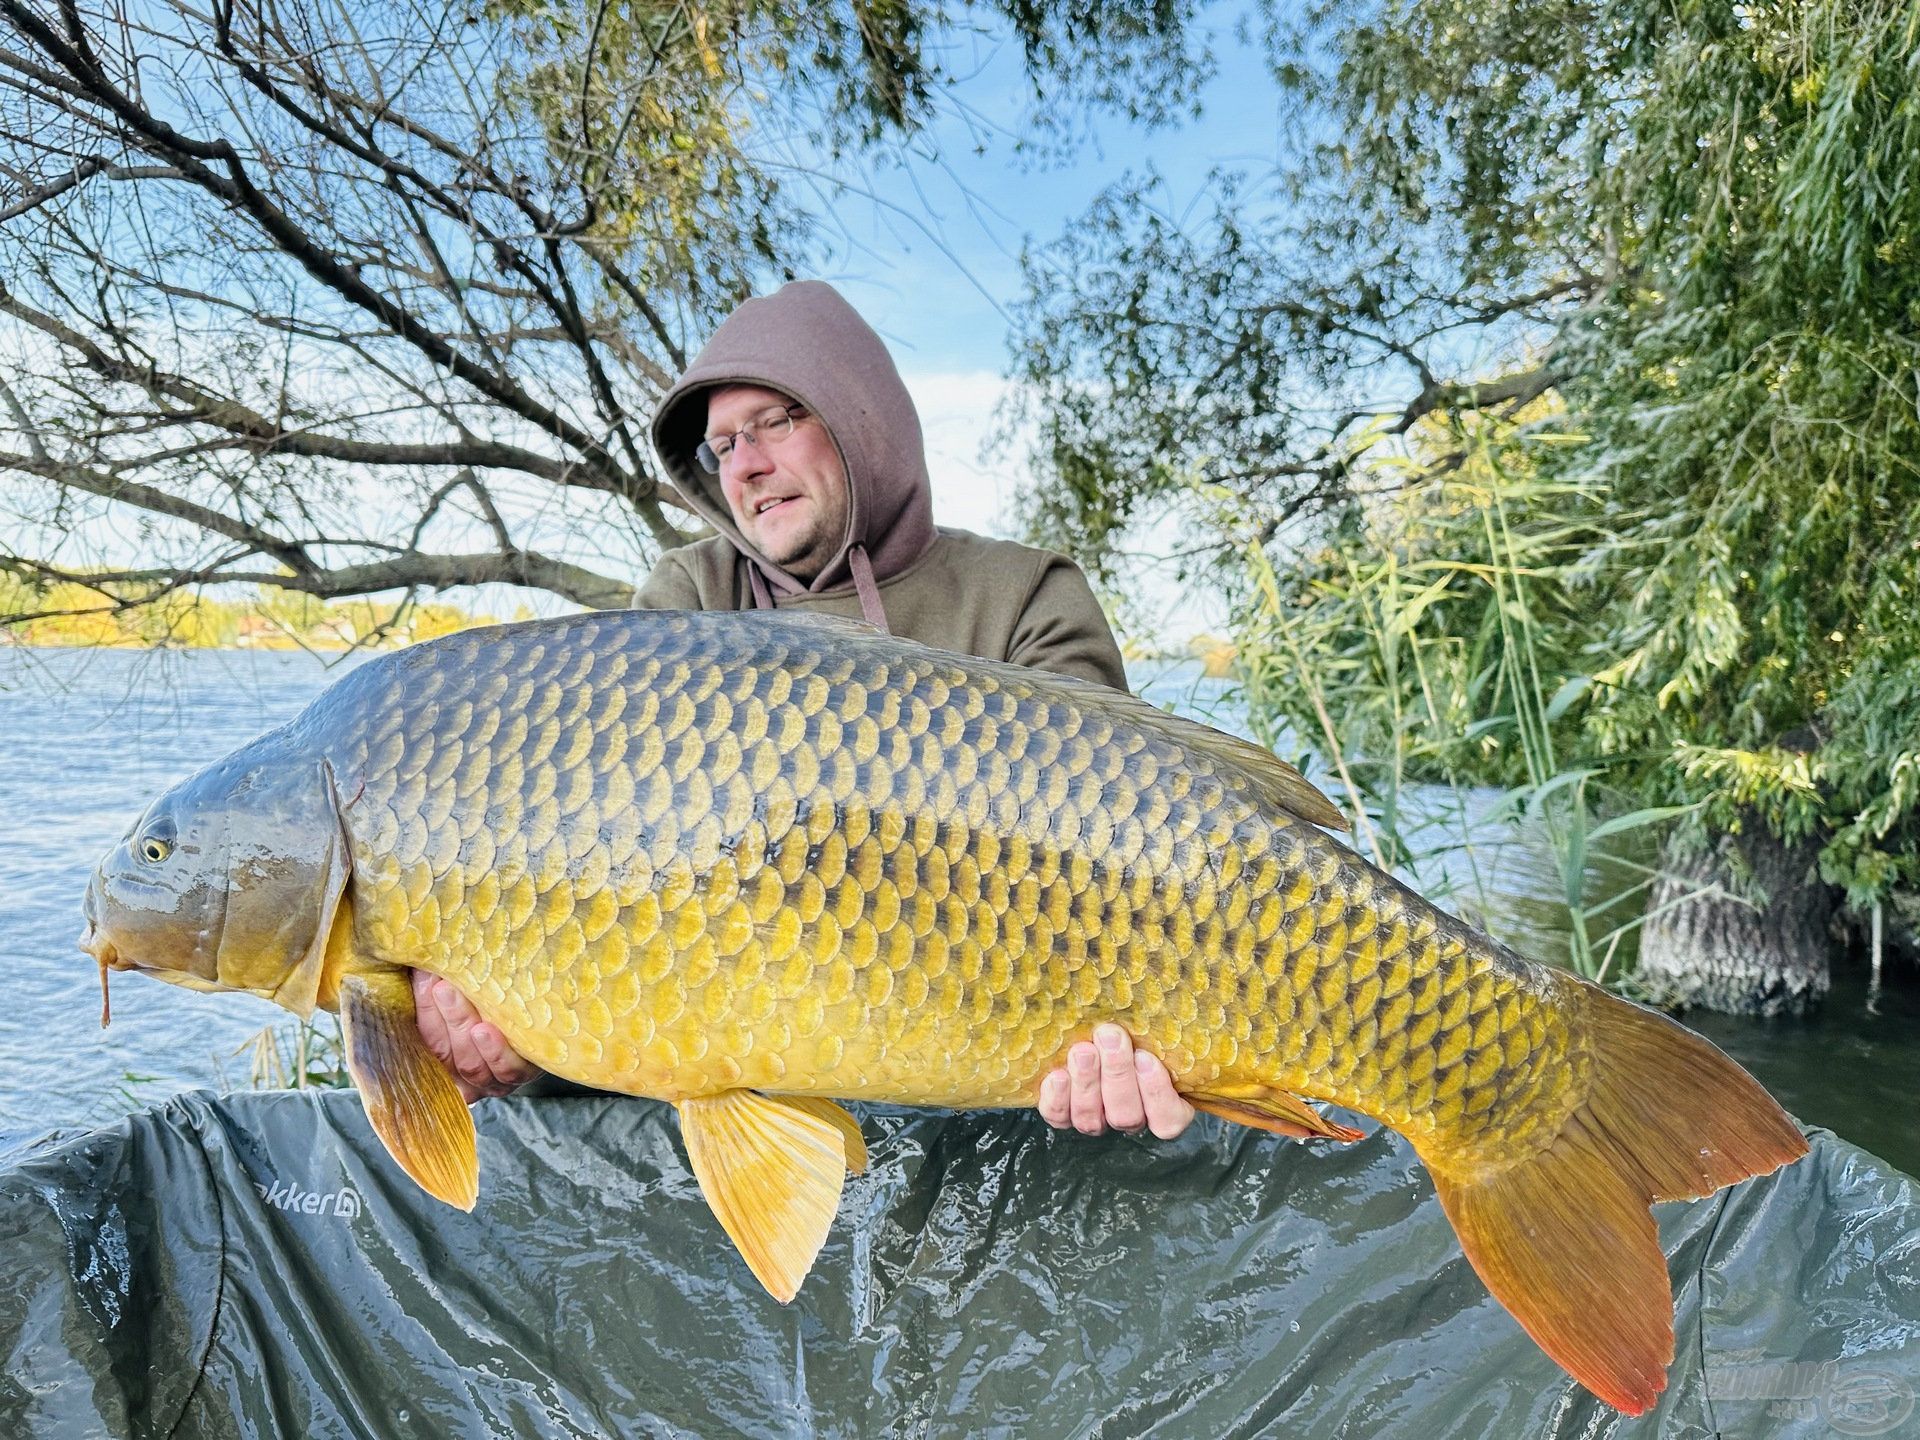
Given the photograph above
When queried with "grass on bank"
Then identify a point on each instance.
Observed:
(1420, 651)
(296, 1054)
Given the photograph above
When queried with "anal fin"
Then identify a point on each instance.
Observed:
(772, 1167)
(412, 1102)
(1279, 1111)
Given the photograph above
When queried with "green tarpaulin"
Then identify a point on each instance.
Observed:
(257, 1266)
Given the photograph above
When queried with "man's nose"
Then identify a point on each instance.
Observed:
(747, 459)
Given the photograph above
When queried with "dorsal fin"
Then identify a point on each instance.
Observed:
(844, 624)
(1242, 761)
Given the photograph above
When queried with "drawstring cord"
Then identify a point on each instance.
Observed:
(762, 597)
(870, 605)
(862, 567)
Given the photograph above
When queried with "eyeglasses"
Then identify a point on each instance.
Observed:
(769, 428)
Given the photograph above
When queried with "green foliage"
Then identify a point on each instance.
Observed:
(630, 100)
(1751, 394)
(1129, 386)
(67, 612)
(675, 116)
(1427, 640)
(1688, 583)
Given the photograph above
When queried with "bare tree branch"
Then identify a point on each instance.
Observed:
(294, 281)
(265, 436)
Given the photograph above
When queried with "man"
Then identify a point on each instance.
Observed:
(793, 436)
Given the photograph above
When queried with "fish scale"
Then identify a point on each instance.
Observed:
(745, 863)
(713, 856)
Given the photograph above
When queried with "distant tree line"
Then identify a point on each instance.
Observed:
(69, 613)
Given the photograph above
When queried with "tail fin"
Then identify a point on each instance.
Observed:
(1564, 1238)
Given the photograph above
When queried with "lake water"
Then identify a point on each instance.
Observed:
(87, 737)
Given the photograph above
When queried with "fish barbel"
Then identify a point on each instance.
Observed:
(747, 863)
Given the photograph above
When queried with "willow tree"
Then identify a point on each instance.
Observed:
(360, 297)
(1686, 236)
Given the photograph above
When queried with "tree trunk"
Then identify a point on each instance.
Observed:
(1742, 926)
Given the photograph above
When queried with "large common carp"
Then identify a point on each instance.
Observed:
(746, 863)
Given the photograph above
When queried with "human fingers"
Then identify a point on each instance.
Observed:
(1168, 1114)
(471, 1068)
(1083, 1090)
(1053, 1099)
(432, 1022)
(427, 1015)
(1119, 1081)
(509, 1068)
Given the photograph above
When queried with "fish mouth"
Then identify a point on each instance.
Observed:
(96, 944)
(93, 939)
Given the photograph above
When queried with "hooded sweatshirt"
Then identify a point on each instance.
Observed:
(944, 587)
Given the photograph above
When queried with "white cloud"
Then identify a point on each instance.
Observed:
(957, 415)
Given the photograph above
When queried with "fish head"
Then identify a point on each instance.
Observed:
(231, 880)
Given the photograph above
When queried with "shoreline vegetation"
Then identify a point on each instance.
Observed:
(71, 614)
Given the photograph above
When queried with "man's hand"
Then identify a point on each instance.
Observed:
(1109, 1083)
(477, 1054)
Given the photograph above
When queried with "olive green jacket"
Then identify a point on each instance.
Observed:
(990, 598)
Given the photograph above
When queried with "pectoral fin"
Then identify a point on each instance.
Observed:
(771, 1166)
(299, 991)
(411, 1101)
(1275, 1110)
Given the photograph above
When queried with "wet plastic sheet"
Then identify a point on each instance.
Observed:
(257, 1266)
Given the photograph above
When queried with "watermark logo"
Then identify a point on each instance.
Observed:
(1849, 1398)
(287, 1195)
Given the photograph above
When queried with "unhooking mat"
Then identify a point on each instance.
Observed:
(257, 1266)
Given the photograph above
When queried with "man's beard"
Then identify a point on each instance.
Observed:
(807, 555)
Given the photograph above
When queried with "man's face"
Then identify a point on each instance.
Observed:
(789, 498)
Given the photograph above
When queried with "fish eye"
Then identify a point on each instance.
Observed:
(153, 849)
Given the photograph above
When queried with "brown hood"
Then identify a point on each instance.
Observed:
(806, 341)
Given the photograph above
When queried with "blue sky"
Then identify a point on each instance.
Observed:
(940, 302)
